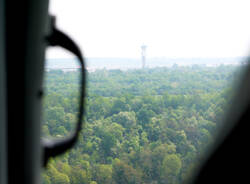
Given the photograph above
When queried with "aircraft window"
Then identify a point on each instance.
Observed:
(161, 75)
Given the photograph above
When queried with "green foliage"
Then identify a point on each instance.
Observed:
(57, 177)
(142, 126)
(103, 173)
(125, 174)
(171, 167)
(46, 179)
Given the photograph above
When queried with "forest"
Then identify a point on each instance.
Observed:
(142, 126)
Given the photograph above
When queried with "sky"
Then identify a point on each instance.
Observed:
(169, 28)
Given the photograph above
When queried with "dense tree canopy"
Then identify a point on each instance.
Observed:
(142, 126)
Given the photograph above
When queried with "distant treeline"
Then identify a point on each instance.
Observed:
(132, 63)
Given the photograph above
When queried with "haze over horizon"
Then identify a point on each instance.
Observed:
(135, 63)
(183, 29)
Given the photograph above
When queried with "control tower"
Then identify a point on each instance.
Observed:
(143, 55)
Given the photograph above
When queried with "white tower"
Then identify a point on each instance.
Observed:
(143, 55)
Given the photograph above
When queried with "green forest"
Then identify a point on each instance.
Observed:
(142, 126)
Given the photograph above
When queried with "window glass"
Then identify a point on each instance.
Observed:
(161, 75)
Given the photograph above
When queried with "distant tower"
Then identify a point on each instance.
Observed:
(143, 55)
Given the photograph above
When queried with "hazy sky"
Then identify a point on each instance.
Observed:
(170, 28)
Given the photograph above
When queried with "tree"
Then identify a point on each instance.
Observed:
(125, 174)
(103, 174)
(79, 176)
(60, 178)
(57, 177)
(126, 119)
(108, 141)
(170, 169)
(144, 115)
(45, 179)
(119, 105)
